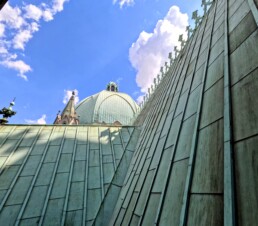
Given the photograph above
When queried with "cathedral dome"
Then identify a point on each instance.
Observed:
(108, 106)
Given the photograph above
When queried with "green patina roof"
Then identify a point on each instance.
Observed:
(49, 174)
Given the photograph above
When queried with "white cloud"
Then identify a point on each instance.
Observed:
(12, 16)
(47, 15)
(19, 66)
(140, 99)
(58, 5)
(124, 2)
(41, 120)
(68, 94)
(150, 50)
(17, 26)
(2, 29)
(21, 38)
(33, 12)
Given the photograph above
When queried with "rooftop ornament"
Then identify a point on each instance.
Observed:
(205, 5)
(152, 88)
(197, 19)
(155, 82)
(182, 41)
(166, 66)
(176, 51)
(159, 79)
(170, 57)
(7, 113)
(162, 72)
(189, 31)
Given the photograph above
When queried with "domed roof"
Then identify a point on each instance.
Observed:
(109, 107)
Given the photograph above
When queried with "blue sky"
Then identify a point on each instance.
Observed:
(50, 47)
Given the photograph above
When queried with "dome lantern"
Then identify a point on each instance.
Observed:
(112, 87)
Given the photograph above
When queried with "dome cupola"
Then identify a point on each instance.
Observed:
(112, 86)
(108, 107)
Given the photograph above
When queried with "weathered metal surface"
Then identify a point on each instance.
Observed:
(246, 168)
(244, 104)
(208, 171)
(205, 210)
(50, 174)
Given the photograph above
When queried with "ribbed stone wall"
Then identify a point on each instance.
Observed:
(196, 161)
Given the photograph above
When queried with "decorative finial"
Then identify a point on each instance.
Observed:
(162, 72)
(197, 19)
(159, 78)
(170, 57)
(182, 41)
(7, 113)
(189, 31)
(176, 51)
(205, 5)
(166, 66)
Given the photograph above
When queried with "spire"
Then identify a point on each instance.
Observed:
(69, 115)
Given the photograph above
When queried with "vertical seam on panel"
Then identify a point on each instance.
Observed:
(50, 186)
(189, 176)
(14, 149)
(84, 217)
(14, 127)
(69, 183)
(24, 204)
(229, 202)
(101, 167)
(18, 173)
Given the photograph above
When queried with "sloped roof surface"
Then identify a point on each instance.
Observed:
(55, 174)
